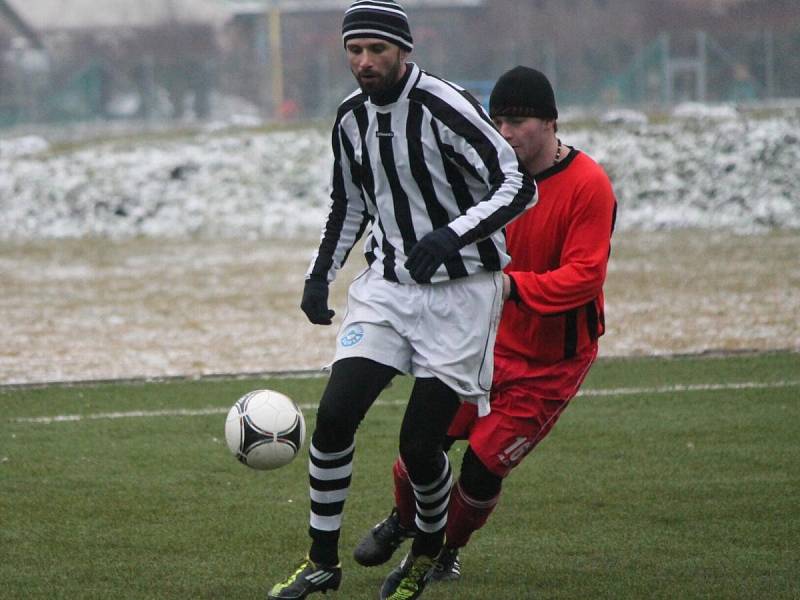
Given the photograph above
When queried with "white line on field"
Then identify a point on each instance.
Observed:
(699, 387)
(187, 412)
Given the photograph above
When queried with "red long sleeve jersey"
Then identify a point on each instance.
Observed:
(559, 255)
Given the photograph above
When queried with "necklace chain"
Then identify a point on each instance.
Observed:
(558, 151)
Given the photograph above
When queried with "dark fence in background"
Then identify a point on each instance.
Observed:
(179, 72)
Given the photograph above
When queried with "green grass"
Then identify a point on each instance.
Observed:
(656, 494)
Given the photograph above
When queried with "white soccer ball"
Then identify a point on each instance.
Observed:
(265, 429)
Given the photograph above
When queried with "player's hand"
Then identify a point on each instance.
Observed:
(430, 252)
(315, 302)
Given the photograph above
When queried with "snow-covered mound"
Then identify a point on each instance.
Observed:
(708, 169)
(22, 146)
(698, 110)
(738, 174)
(209, 184)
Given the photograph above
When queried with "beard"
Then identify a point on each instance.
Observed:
(377, 83)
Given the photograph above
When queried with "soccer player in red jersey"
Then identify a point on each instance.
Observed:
(550, 325)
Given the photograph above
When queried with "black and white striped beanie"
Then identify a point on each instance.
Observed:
(382, 19)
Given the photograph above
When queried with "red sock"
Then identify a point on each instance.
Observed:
(465, 515)
(403, 494)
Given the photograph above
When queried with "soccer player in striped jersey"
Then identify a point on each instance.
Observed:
(421, 170)
(548, 336)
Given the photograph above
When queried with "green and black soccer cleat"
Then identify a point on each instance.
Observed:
(408, 580)
(379, 544)
(308, 578)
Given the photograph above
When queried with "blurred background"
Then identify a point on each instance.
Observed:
(165, 168)
(64, 61)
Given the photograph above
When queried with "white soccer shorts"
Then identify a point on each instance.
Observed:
(444, 330)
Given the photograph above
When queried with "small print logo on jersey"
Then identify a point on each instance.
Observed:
(352, 336)
(387, 134)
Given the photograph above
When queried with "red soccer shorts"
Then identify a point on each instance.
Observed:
(526, 402)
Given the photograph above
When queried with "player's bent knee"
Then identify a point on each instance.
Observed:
(415, 452)
(334, 431)
(476, 480)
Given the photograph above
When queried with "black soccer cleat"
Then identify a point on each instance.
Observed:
(407, 581)
(308, 578)
(378, 546)
(447, 566)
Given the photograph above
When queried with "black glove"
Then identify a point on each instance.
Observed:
(315, 302)
(430, 252)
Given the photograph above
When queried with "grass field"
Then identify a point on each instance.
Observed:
(667, 478)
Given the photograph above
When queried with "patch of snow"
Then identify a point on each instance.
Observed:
(124, 105)
(212, 185)
(699, 110)
(735, 174)
(738, 173)
(21, 146)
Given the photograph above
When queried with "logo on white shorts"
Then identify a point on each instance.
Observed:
(352, 336)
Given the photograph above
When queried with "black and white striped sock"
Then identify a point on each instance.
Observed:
(432, 500)
(329, 475)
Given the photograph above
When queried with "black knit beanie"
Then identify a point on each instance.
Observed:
(523, 92)
(380, 19)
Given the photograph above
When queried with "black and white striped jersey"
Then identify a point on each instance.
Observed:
(428, 157)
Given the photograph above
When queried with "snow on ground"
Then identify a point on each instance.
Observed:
(717, 173)
(99, 309)
(710, 168)
(166, 254)
(207, 184)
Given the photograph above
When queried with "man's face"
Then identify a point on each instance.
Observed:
(375, 63)
(528, 136)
